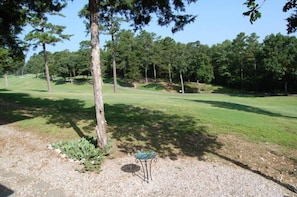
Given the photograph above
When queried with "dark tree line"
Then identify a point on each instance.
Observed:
(242, 63)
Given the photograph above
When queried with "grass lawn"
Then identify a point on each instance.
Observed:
(158, 120)
(257, 133)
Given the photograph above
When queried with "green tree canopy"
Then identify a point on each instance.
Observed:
(280, 58)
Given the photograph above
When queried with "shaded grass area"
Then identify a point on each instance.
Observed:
(134, 128)
(58, 115)
(137, 128)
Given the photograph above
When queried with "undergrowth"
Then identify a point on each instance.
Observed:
(85, 151)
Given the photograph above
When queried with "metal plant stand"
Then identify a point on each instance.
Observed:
(146, 158)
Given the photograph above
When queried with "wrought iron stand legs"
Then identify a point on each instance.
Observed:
(146, 165)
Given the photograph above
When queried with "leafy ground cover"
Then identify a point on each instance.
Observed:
(255, 132)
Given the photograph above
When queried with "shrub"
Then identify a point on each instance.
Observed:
(85, 151)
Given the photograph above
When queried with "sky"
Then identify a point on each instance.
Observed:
(217, 21)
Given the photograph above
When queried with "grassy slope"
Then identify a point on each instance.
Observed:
(157, 120)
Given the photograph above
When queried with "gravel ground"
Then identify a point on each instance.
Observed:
(29, 168)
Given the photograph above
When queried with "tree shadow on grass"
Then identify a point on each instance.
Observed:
(138, 128)
(241, 107)
(133, 128)
(64, 113)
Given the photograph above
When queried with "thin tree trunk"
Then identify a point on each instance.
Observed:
(70, 75)
(155, 72)
(241, 73)
(182, 82)
(6, 79)
(169, 74)
(145, 72)
(114, 67)
(96, 75)
(47, 74)
(255, 77)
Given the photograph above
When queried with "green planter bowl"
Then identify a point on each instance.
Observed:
(145, 155)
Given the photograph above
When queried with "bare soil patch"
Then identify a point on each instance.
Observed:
(265, 159)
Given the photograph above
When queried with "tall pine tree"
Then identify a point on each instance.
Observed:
(44, 32)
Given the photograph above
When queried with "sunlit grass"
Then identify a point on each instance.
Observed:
(148, 117)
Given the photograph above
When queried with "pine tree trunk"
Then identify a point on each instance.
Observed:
(47, 74)
(169, 74)
(255, 77)
(70, 75)
(241, 77)
(114, 73)
(96, 75)
(145, 71)
(114, 67)
(182, 82)
(155, 72)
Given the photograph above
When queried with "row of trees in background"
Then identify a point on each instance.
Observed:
(249, 65)
(63, 64)
(242, 63)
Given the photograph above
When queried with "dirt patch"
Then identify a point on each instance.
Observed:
(265, 159)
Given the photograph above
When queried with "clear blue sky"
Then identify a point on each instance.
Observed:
(217, 21)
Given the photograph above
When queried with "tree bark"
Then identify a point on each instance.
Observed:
(114, 67)
(145, 73)
(155, 72)
(169, 74)
(96, 75)
(47, 74)
(182, 82)
(241, 72)
(255, 77)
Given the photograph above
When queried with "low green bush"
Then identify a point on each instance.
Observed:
(85, 151)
